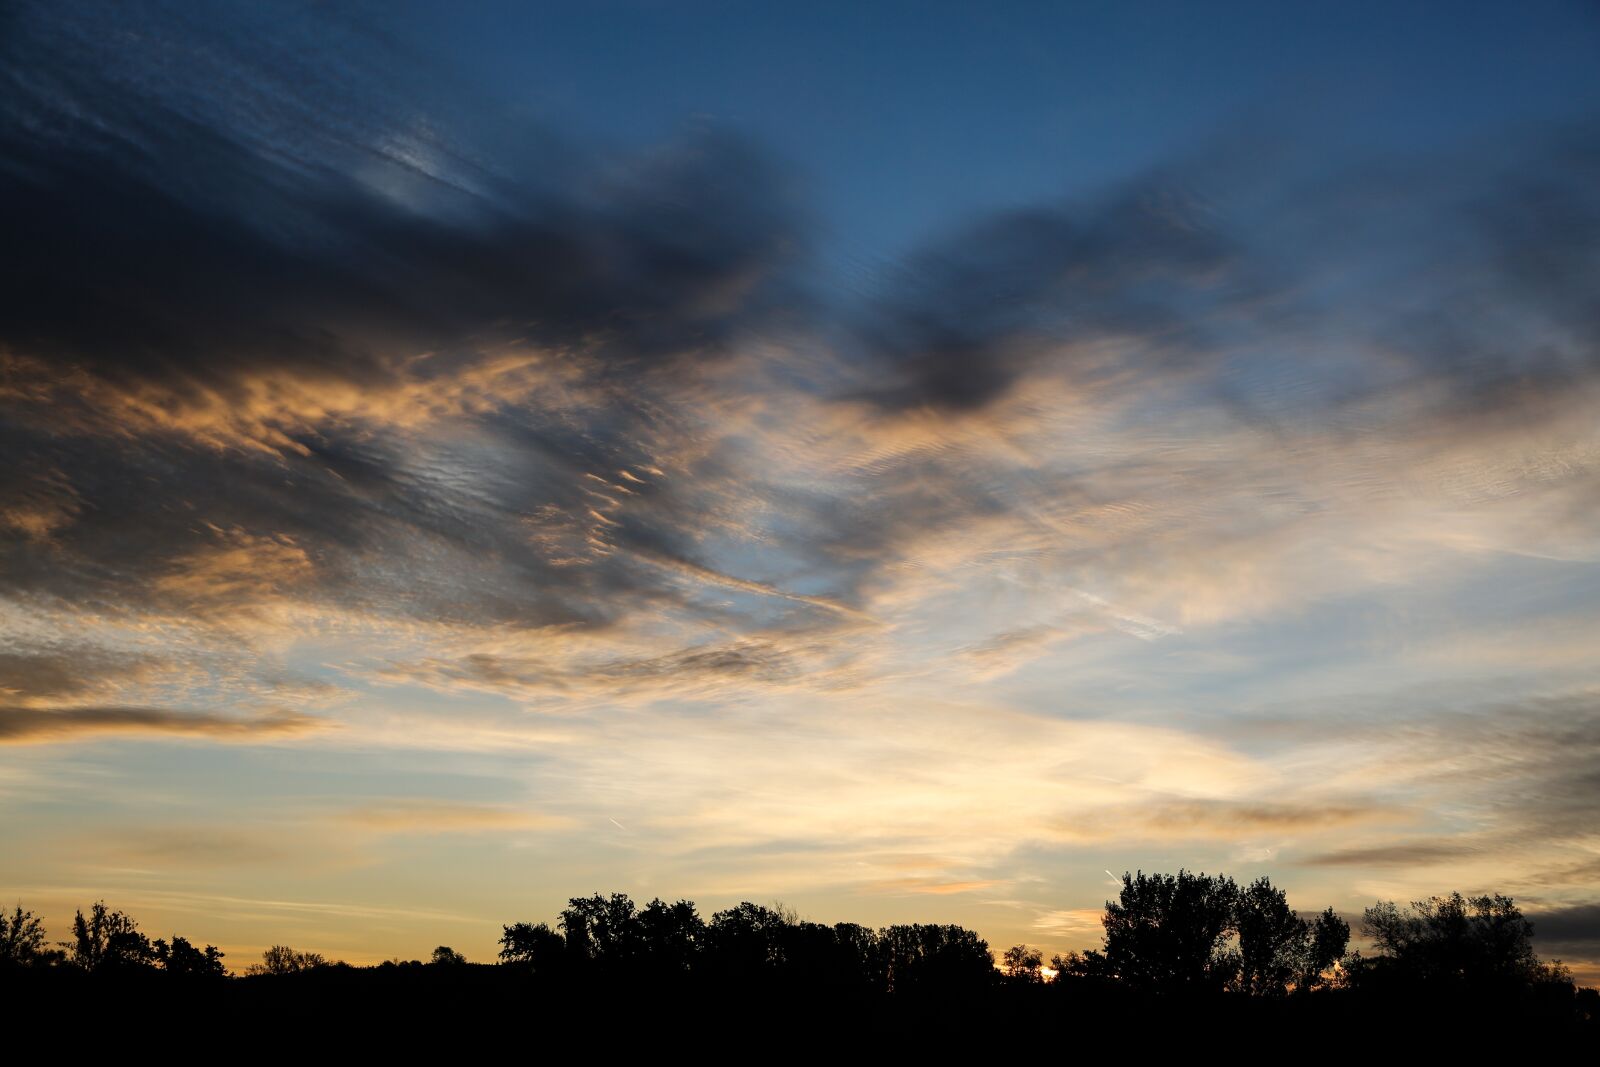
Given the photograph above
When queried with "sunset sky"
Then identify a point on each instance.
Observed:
(909, 461)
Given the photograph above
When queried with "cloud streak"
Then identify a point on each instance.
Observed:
(42, 725)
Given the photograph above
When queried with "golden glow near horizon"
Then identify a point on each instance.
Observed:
(398, 541)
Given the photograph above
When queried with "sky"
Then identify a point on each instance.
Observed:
(909, 462)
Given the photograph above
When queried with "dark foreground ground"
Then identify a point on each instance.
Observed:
(471, 1010)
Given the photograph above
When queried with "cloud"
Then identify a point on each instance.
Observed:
(1574, 928)
(46, 676)
(222, 259)
(931, 886)
(436, 817)
(1497, 795)
(311, 369)
(706, 574)
(24, 725)
(327, 392)
(1078, 923)
(1229, 818)
(372, 372)
(1406, 854)
(1524, 767)
(740, 661)
(1066, 288)
(187, 847)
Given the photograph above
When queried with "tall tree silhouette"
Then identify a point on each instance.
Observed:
(1273, 940)
(747, 941)
(1167, 933)
(1278, 950)
(108, 940)
(671, 937)
(600, 931)
(936, 959)
(1330, 938)
(861, 958)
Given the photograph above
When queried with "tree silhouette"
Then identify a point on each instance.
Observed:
(1278, 950)
(1478, 942)
(1166, 933)
(536, 947)
(671, 937)
(183, 960)
(1023, 964)
(1081, 968)
(930, 958)
(1274, 942)
(1450, 958)
(600, 931)
(22, 940)
(108, 940)
(747, 941)
(862, 963)
(281, 959)
(445, 956)
(816, 960)
(1330, 938)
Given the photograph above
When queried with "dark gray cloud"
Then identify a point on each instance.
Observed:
(1487, 258)
(1510, 774)
(1534, 764)
(34, 675)
(240, 278)
(1279, 301)
(194, 264)
(152, 242)
(1575, 928)
(42, 675)
(969, 316)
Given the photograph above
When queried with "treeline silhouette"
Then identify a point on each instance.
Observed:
(1176, 946)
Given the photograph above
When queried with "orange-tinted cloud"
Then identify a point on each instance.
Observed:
(29, 725)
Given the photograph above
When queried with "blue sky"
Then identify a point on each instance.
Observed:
(904, 117)
(907, 461)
